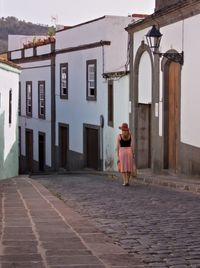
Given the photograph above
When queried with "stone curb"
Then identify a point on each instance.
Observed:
(177, 185)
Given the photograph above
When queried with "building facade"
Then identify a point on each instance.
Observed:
(164, 92)
(74, 94)
(36, 106)
(9, 93)
(92, 92)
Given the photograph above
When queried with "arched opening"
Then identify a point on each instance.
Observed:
(144, 112)
(141, 96)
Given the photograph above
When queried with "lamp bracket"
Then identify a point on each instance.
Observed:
(172, 56)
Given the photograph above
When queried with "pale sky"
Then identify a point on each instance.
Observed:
(71, 12)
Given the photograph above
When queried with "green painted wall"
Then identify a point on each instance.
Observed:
(9, 166)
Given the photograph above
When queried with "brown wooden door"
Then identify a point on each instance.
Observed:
(29, 150)
(143, 154)
(172, 117)
(92, 153)
(63, 145)
(41, 151)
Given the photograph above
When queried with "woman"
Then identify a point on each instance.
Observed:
(125, 153)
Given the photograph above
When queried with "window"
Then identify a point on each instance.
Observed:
(29, 98)
(41, 99)
(110, 103)
(91, 79)
(64, 80)
(10, 106)
(19, 104)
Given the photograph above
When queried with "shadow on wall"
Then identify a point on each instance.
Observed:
(9, 166)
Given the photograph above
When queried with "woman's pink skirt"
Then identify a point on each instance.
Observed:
(126, 161)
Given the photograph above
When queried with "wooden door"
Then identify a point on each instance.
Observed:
(41, 151)
(143, 154)
(92, 152)
(29, 150)
(63, 146)
(172, 117)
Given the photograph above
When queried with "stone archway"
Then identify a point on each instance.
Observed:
(142, 114)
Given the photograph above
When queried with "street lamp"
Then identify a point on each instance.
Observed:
(153, 38)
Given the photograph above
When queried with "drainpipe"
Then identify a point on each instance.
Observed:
(101, 141)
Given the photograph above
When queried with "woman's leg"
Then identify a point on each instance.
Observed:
(128, 177)
(124, 178)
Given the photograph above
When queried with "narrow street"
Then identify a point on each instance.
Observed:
(157, 224)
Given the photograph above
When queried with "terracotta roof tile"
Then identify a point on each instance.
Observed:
(10, 63)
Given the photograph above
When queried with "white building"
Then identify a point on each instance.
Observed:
(83, 79)
(9, 83)
(165, 91)
(92, 92)
(37, 109)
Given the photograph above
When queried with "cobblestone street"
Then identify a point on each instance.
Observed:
(159, 225)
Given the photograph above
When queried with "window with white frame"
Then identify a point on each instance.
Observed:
(41, 99)
(91, 79)
(64, 80)
(29, 98)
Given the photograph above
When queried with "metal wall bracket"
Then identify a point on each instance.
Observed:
(172, 56)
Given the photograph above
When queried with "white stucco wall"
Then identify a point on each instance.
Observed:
(16, 55)
(190, 94)
(44, 49)
(9, 80)
(35, 74)
(28, 52)
(122, 108)
(182, 36)
(107, 29)
(77, 110)
(8, 130)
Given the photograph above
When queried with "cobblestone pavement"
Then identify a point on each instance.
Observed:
(37, 230)
(159, 225)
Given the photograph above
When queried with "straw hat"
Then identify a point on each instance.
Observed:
(124, 126)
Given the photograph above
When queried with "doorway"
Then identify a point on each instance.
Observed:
(171, 115)
(29, 150)
(144, 136)
(63, 145)
(41, 150)
(92, 145)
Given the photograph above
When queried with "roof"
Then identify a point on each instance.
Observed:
(137, 15)
(180, 10)
(80, 24)
(97, 19)
(9, 63)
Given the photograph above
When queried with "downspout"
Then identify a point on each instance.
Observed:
(101, 116)
(53, 109)
(103, 57)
